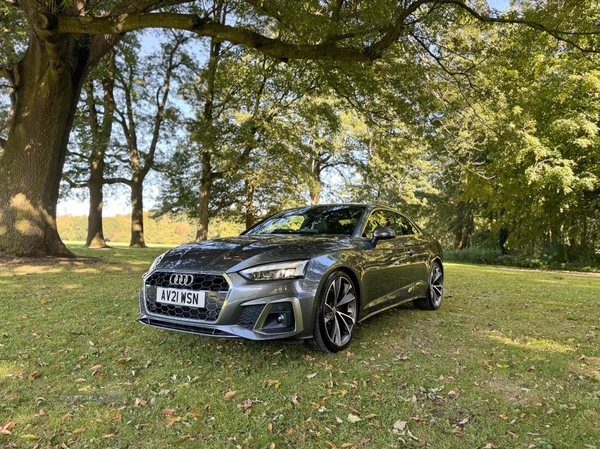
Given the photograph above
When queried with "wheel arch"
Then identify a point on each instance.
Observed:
(353, 277)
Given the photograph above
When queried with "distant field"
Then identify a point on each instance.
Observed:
(511, 360)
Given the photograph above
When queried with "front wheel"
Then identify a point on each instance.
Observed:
(435, 290)
(336, 314)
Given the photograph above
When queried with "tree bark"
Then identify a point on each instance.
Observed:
(47, 85)
(101, 134)
(249, 204)
(203, 209)
(137, 215)
(95, 231)
(316, 184)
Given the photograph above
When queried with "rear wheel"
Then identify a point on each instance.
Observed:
(435, 290)
(336, 314)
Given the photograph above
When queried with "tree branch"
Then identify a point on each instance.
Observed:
(276, 48)
(126, 181)
(161, 104)
(555, 33)
(75, 184)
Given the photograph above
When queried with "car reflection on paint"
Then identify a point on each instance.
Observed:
(310, 273)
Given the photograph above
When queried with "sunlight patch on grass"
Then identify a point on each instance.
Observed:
(35, 269)
(534, 344)
(6, 369)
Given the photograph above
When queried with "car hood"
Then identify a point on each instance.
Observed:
(236, 253)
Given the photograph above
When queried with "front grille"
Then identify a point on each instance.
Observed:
(250, 316)
(215, 284)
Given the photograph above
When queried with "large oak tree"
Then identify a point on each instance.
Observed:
(67, 38)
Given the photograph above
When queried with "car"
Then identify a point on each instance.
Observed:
(310, 273)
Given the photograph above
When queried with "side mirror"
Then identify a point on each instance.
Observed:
(381, 233)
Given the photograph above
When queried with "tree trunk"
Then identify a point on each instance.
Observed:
(95, 233)
(137, 215)
(47, 85)
(203, 210)
(316, 183)
(249, 204)
(101, 133)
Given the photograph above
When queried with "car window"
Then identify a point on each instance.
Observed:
(407, 226)
(388, 219)
(332, 220)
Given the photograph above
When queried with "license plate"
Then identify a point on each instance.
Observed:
(179, 297)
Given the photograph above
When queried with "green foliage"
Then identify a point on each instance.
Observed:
(519, 151)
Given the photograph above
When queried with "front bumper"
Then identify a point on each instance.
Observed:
(234, 308)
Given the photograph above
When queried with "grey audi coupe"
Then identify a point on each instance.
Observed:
(310, 273)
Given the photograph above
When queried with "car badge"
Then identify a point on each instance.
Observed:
(184, 280)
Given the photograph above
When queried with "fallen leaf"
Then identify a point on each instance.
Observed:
(353, 418)
(311, 376)
(274, 383)
(169, 411)
(195, 413)
(95, 367)
(34, 375)
(294, 399)
(229, 395)
(6, 428)
(79, 430)
(171, 419)
(400, 426)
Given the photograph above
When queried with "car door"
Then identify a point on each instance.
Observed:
(416, 246)
(387, 267)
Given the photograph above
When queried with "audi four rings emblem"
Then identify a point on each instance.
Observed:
(181, 279)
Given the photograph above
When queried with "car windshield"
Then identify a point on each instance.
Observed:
(331, 220)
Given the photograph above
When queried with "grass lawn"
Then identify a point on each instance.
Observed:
(511, 360)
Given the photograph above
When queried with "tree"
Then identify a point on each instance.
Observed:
(143, 90)
(240, 99)
(519, 152)
(66, 39)
(92, 141)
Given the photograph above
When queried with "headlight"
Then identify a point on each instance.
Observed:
(276, 271)
(156, 262)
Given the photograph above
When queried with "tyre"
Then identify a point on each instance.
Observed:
(435, 290)
(336, 314)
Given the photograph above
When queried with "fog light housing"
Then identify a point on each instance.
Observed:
(279, 319)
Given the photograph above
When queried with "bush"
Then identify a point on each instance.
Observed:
(548, 257)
